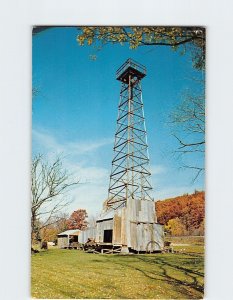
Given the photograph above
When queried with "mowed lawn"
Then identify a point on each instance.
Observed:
(75, 274)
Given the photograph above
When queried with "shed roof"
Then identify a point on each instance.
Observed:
(106, 215)
(70, 232)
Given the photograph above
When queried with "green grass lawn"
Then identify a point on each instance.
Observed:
(74, 274)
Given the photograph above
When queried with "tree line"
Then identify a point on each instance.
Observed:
(183, 215)
(77, 220)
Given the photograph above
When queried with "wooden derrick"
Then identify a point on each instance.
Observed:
(129, 218)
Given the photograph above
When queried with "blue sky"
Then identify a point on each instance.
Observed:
(75, 112)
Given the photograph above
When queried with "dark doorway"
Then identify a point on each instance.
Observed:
(108, 236)
(76, 239)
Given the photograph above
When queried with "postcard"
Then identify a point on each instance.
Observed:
(118, 162)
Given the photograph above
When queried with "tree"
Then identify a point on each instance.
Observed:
(78, 220)
(187, 123)
(50, 231)
(49, 184)
(183, 38)
(175, 227)
(201, 229)
(61, 222)
(189, 209)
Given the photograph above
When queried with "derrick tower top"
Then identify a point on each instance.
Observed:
(131, 69)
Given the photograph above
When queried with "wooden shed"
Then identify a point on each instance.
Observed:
(64, 239)
(133, 227)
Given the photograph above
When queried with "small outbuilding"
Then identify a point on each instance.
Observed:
(67, 238)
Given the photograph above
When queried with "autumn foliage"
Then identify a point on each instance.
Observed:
(50, 232)
(183, 215)
(77, 220)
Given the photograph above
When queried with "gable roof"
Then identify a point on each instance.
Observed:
(70, 232)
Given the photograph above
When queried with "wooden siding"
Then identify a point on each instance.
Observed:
(141, 211)
(62, 242)
(100, 227)
(117, 229)
(134, 226)
(88, 233)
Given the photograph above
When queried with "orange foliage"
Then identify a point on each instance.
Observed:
(49, 233)
(77, 220)
(189, 209)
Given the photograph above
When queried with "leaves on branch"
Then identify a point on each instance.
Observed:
(78, 220)
(182, 38)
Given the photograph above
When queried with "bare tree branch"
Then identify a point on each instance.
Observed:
(188, 125)
(49, 185)
(183, 145)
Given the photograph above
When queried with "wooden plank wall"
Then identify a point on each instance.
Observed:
(117, 229)
(86, 234)
(133, 226)
(100, 227)
(62, 242)
(141, 211)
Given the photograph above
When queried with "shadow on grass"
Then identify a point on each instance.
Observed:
(163, 261)
(163, 273)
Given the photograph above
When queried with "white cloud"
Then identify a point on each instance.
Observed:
(157, 169)
(93, 187)
(86, 173)
(89, 196)
(47, 143)
(84, 147)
